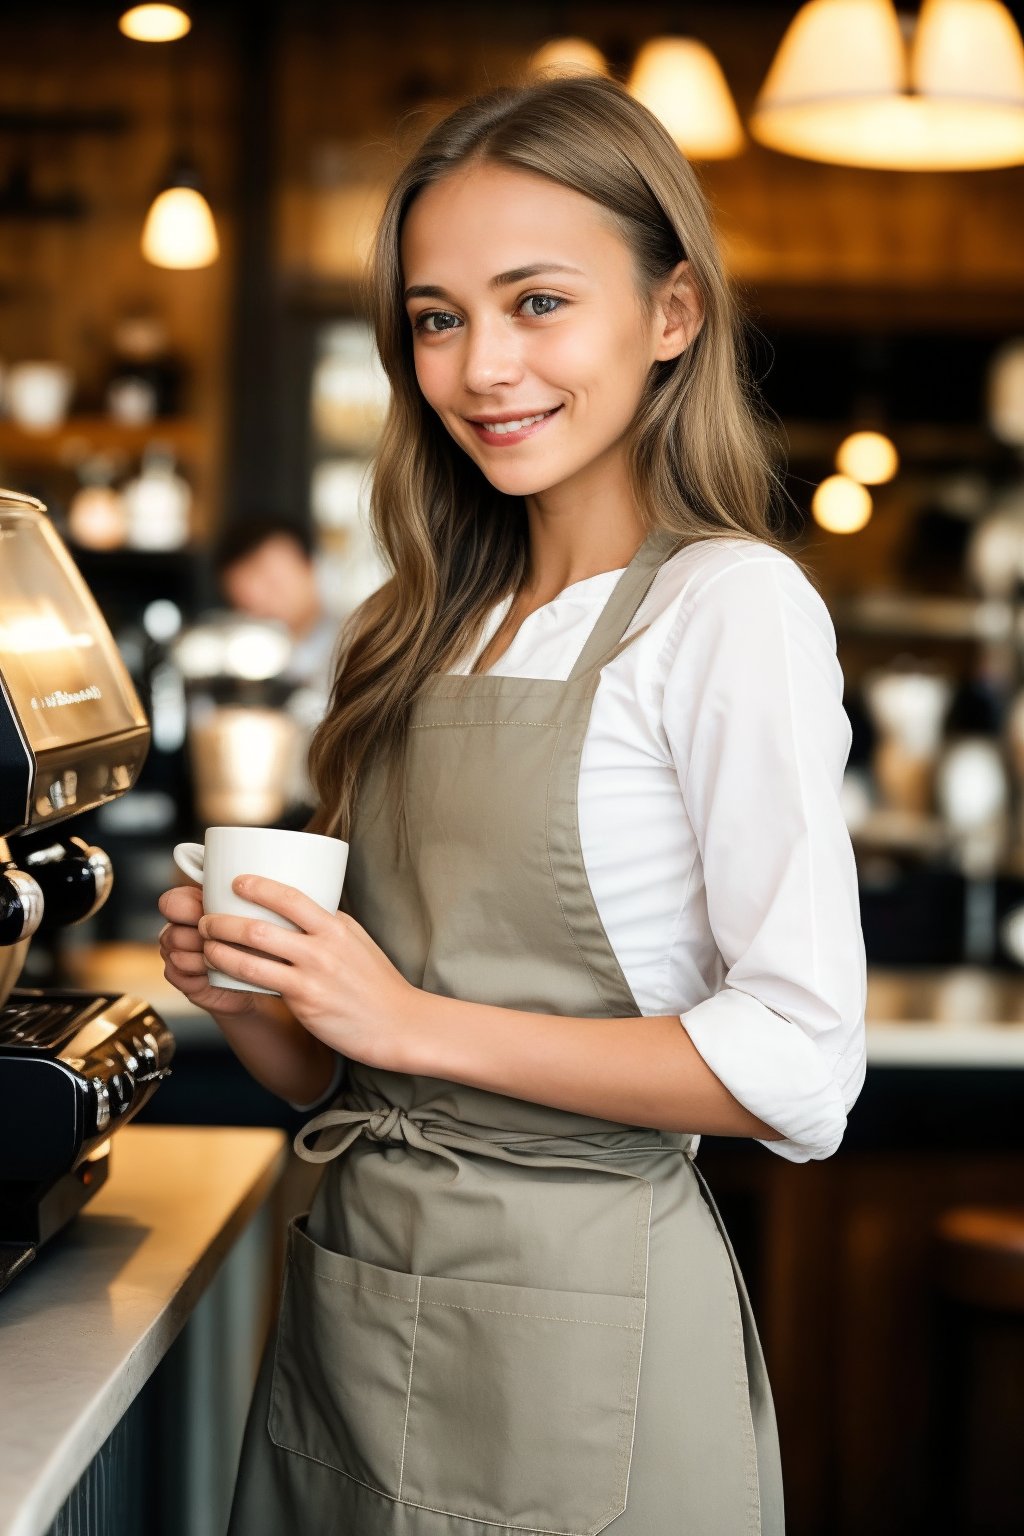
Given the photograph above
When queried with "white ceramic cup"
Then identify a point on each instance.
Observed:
(38, 394)
(312, 864)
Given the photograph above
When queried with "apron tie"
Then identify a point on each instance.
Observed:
(391, 1123)
(385, 1123)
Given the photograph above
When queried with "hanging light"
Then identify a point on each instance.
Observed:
(155, 23)
(842, 90)
(869, 457)
(179, 231)
(841, 505)
(568, 56)
(682, 83)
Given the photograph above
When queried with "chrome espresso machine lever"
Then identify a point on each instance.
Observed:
(74, 1066)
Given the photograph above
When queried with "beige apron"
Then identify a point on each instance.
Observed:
(499, 1316)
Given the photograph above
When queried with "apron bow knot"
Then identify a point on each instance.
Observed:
(387, 1122)
(384, 1123)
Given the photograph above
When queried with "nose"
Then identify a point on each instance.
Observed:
(491, 356)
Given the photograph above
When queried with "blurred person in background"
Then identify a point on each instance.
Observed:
(266, 568)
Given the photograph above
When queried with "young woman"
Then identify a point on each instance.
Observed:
(586, 746)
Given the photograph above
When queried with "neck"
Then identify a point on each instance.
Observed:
(585, 526)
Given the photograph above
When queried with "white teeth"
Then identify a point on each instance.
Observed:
(501, 427)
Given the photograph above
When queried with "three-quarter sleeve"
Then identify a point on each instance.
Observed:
(755, 723)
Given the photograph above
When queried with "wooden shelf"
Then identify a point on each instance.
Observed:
(926, 835)
(916, 442)
(940, 618)
(81, 436)
(901, 832)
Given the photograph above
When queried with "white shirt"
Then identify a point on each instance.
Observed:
(711, 826)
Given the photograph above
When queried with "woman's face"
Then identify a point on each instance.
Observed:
(522, 299)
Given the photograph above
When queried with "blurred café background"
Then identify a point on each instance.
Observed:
(188, 382)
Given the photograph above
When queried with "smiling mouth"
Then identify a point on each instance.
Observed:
(514, 426)
(516, 430)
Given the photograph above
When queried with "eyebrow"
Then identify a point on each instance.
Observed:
(503, 279)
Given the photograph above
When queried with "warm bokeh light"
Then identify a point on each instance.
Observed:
(568, 56)
(179, 231)
(1006, 392)
(155, 23)
(838, 89)
(841, 505)
(967, 48)
(869, 457)
(96, 518)
(682, 83)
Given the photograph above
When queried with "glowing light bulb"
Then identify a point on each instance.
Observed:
(155, 23)
(841, 505)
(179, 231)
(869, 457)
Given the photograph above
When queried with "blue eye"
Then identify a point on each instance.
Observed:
(543, 298)
(439, 315)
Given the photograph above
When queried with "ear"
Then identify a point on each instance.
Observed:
(678, 314)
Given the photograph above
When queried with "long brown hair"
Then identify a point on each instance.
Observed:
(700, 452)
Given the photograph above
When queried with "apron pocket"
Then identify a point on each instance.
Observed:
(499, 1403)
(341, 1366)
(522, 1405)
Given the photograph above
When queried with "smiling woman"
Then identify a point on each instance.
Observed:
(586, 746)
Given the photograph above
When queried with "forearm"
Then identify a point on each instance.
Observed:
(278, 1052)
(639, 1071)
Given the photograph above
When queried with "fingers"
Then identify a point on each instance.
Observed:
(174, 937)
(285, 900)
(252, 933)
(182, 904)
(187, 964)
(253, 969)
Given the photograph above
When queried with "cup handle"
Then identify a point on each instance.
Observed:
(189, 859)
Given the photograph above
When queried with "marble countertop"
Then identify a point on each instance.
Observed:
(86, 1324)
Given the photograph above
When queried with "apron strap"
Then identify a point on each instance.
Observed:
(605, 639)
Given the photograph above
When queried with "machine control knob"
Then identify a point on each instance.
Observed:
(74, 876)
(21, 904)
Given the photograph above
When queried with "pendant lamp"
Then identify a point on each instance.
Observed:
(568, 56)
(843, 89)
(179, 231)
(681, 82)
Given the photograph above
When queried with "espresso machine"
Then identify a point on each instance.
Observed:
(75, 1066)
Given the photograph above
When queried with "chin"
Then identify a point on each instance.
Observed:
(522, 479)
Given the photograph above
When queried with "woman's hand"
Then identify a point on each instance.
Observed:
(336, 981)
(181, 948)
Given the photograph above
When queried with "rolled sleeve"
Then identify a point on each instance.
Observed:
(755, 722)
